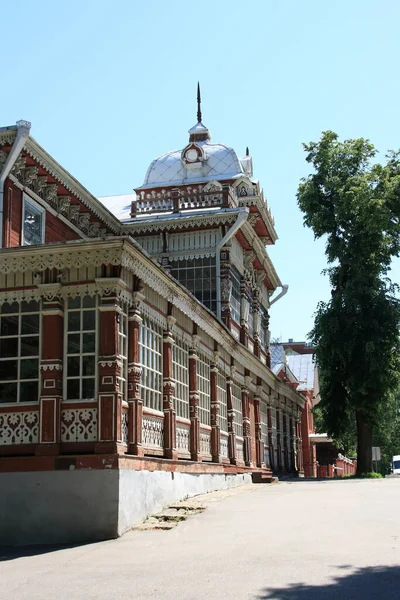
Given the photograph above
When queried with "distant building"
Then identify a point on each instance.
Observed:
(134, 340)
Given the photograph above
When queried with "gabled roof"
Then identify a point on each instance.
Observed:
(303, 366)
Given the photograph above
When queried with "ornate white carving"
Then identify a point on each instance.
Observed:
(183, 438)
(51, 367)
(239, 450)
(224, 446)
(124, 426)
(205, 442)
(153, 431)
(79, 425)
(19, 428)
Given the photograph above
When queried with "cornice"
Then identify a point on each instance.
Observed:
(261, 254)
(185, 222)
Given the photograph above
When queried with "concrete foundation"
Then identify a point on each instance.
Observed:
(51, 507)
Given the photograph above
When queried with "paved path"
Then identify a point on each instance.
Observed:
(290, 541)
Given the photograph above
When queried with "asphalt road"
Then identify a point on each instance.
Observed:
(289, 541)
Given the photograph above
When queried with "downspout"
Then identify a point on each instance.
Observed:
(23, 128)
(241, 218)
(280, 295)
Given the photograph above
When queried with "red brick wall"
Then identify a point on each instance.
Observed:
(55, 229)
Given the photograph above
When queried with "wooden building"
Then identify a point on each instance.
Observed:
(134, 337)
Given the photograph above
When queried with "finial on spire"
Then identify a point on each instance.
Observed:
(247, 151)
(198, 103)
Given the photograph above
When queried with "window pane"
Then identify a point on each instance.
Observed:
(87, 389)
(9, 325)
(9, 308)
(29, 368)
(73, 389)
(89, 319)
(89, 344)
(30, 346)
(28, 391)
(88, 366)
(8, 370)
(9, 348)
(32, 306)
(29, 324)
(74, 302)
(89, 301)
(33, 220)
(74, 321)
(74, 343)
(8, 392)
(73, 368)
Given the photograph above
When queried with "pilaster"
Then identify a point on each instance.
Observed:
(135, 404)
(246, 427)
(109, 370)
(231, 418)
(259, 443)
(168, 393)
(270, 439)
(51, 380)
(194, 403)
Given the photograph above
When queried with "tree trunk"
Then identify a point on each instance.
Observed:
(364, 444)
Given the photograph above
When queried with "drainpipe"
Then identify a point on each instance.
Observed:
(280, 295)
(23, 128)
(241, 218)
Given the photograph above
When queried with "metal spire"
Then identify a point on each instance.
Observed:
(198, 103)
(247, 151)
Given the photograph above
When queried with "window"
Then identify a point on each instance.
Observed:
(81, 341)
(123, 350)
(203, 387)
(19, 352)
(150, 352)
(198, 276)
(32, 222)
(250, 320)
(180, 367)
(236, 294)
(237, 409)
(221, 395)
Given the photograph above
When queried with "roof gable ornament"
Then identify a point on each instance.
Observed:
(199, 132)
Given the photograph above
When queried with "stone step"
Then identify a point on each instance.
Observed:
(263, 477)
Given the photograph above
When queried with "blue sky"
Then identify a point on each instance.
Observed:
(110, 86)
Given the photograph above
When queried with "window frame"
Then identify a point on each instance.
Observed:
(81, 354)
(26, 199)
(20, 358)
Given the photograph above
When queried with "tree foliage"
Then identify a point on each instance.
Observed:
(355, 205)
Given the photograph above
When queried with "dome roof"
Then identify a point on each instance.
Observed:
(218, 162)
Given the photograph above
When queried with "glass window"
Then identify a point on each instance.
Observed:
(150, 352)
(122, 349)
(221, 395)
(32, 222)
(199, 277)
(81, 348)
(19, 352)
(203, 388)
(180, 365)
(237, 409)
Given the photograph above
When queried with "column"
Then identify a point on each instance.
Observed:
(270, 439)
(259, 443)
(215, 430)
(194, 403)
(134, 376)
(246, 426)
(257, 322)
(279, 439)
(109, 370)
(226, 287)
(51, 379)
(291, 445)
(244, 314)
(231, 418)
(168, 392)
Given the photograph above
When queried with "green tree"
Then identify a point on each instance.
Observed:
(355, 206)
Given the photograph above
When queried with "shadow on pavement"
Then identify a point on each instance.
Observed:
(13, 552)
(369, 583)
